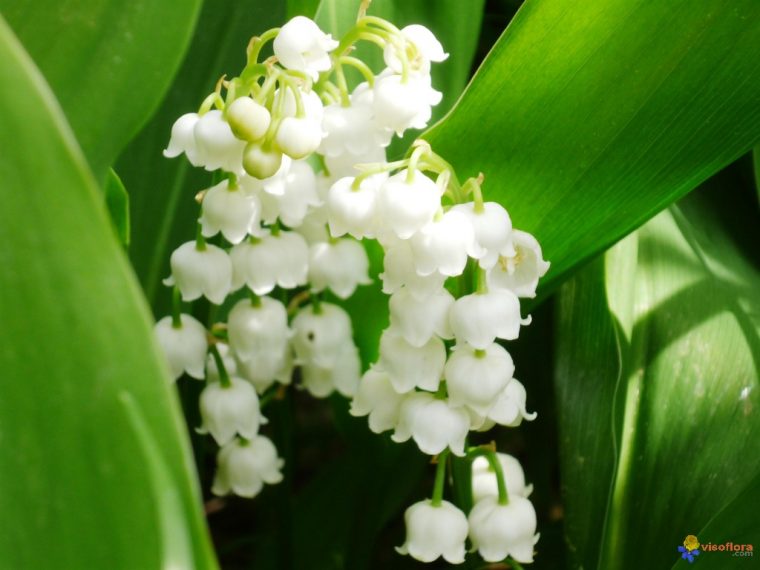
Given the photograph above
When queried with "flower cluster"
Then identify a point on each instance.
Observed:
(300, 179)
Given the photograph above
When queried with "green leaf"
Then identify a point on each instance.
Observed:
(162, 190)
(117, 202)
(302, 8)
(588, 118)
(96, 463)
(657, 372)
(109, 62)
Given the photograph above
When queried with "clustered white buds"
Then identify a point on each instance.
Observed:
(285, 229)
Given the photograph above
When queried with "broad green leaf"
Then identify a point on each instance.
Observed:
(109, 62)
(96, 466)
(587, 118)
(162, 190)
(117, 202)
(302, 8)
(657, 372)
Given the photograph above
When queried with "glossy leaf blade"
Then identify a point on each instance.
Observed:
(660, 423)
(79, 483)
(588, 118)
(108, 62)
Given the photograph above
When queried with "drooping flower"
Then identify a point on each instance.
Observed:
(475, 378)
(376, 398)
(339, 265)
(399, 105)
(498, 531)
(399, 271)
(484, 479)
(245, 465)
(509, 408)
(432, 423)
(353, 211)
(275, 259)
(206, 271)
(343, 376)
(298, 137)
(520, 272)
(433, 531)
(319, 335)
(185, 346)
(230, 410)
(302, 46)
(493, 231)
(182, 139)
(418, 320)
(408, 206)
(298, 197)
(216, 145)
(480, 318)
(411, 366)
(230, 209)
(259, 331)
(443, 245)
(422, 49)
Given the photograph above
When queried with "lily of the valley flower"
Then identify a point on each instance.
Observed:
(185, 346)
(498, 531)
(432, 423)
(302, 46)
(245, 465)
(434, 531)
(201, 272)
(484, 479)
(228, 208)
(230, 410)
(376, 398)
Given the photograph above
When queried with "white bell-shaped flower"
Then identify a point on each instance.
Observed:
(484, 479)
(298, 137)
(343, 376)
(400, 105)
(275, 259)
(319, 335)
(216, 145)
(352, 130)
(257, 330)
(376, 398)
(480, 318)
(248, 119)
(230, 209)
(475, 378)
(433, 531)
(399, 271)
(443, 245)
(493, 231)
(302, 46)
(273, 366)
(185, 346)
(432, 423)
(341, 265)
(418, 320)
(520, 272)
(298, 198)
(243, 466)
(230, 410)
(509, 409)
(313, 227)
(408, 206)
(183, 140)
(228, 360)
(498, 531)
(353, 211)
(196, 272)
(275, 184)
(411, 366)
(424, 48)
(346, 164)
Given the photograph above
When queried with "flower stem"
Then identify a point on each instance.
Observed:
(200, 241)
(176, 308)
(224, 377)
(495, 464)
(256, 43)
(440, 478)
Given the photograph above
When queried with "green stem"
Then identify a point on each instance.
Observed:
(495, 464)
(316, 303)
(255, 299)
(200, 241)
(342, 84)
(260, 42)
(359, 65)
(224, 377)
(176, 308)
(481, 282)
(440, 479)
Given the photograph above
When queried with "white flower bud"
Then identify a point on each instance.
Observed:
(377, 398)
(302, 46)
(425, 48)
(216, 146)
(258, 329)
(182, 138)
(206, 272)
(281, 259)
(434, 531)
(244, 466)
(184, 346)
(443, 245)
(475, 378)
(432, 423)
(520, 272)
(509, 409)
(298, 197)
(411, 366)
(400, 105)
(484, 479)
(341, 265)
(298, 137)
(319, 337)
(230, 410)
(408, 206)
(493, 231)
(352, 130)
(480, 318)
(417, 320)
(261, 162)
(231, 210)
(248, 120)
(498, 531)
(353, 211)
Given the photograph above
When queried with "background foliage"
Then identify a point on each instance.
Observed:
(587, 118)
